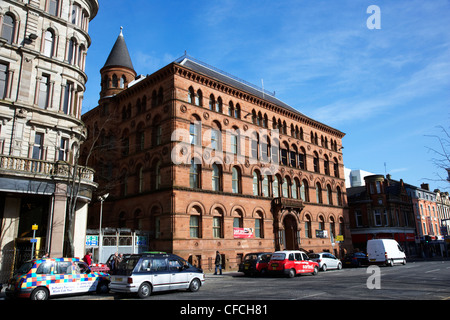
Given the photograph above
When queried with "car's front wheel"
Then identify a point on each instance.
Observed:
(316, 271)
(194, 285)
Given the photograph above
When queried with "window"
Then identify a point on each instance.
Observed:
(8, 28)
(158, 175)
(285, 188)
(216, 139)
(45, 267)
(236, 180)
(76, 9)
(63, 149)
(377, 217)
(216, 177)
(258, 229)
(71, 52)
(68, 97)
(329, 195)
(194, 132)
(316, 163)
(275, 187)
(217, 227)
(256, 180)
(304, 195)
(301, 160)
(265, 186)
(191, 95)
(44, 91)
(294, 187)
(53, 6)
(194, 226)
(140, 179)
(219, 105)
(284, 155)
(38, 146)
(194, 174)
(49, 43)
(64, 267)
(234, 143)
(318, 193)
(3, 80)
(199, 98)
(308, 233)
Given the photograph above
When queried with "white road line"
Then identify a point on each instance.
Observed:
(432, 270)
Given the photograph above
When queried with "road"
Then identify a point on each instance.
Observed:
(428, 280)
(421, 280)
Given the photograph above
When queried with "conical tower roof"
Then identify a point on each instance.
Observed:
(119, 55)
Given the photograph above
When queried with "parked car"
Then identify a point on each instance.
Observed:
(151, 272)
(385, 251)
(40, 279)
(255, 263)
(326, 261)
(291, 263)
(356, 259)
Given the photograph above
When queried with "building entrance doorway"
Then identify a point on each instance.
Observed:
(290, 232)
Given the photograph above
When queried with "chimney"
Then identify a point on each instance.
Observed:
(425, 186)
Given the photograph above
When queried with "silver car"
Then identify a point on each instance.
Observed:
(148, 272)
(326, 260)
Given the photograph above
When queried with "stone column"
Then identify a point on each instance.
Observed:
(58, 222)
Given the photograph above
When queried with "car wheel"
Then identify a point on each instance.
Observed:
(391, 263)
(339, 266)
(291, 273)
(316, 271)
(40, 293)
(404, 262)
(145, 290)
(195, 285)
(324, 267)
(103, 287)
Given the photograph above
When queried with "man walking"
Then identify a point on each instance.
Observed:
(218, 262)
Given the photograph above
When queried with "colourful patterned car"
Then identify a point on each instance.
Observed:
(39, 279)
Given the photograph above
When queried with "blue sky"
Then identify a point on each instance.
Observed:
(387, 89)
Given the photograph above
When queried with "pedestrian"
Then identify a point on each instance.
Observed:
(88, 258)
(46, 255)
(218, 262)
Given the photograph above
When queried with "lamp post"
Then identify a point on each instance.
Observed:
(100, 238)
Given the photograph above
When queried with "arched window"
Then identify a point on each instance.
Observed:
(219, 105)
(216, 177)
(329, 195)
(157, 175)
(237, 111)
(122, 82)
(49, 43)
(285, 188)
(336, 168)
(191, 95)
(259, 225)
(115, 81)
(216, 136)
(318, 193)
(256, 183)
(265, 186)
(9, 28)
(236, 180)
(212, 102)
(339, 196)
(308, 233)
(304, 194)
(326, 165)
(238, 219)
(195, 222)
(294, 189)
(71, 50)
(316, 163)
(140, 179)
(231, 109)
(276, 187)
(195, 173)
(302, 159)
(199, 98)
(218, 223)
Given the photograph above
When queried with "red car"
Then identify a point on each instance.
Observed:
(291, 263)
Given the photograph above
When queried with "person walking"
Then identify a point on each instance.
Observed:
(218, 262)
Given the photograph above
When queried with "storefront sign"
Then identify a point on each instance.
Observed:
(243, 233)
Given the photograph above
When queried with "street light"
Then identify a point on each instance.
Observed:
(100, 238)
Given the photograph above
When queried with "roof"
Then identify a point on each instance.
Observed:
(222, 76)
(219, 75)
(119, 55)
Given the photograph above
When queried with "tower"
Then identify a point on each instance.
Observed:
(118, 70)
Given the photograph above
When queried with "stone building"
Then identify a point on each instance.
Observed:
(43, 48)
(203, 161)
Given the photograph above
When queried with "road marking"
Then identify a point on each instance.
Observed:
(432, 270)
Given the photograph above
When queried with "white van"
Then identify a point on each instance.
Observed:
(385, 251)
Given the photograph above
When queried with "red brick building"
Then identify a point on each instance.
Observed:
(202, 161)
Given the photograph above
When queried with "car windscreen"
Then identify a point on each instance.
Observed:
(278, 256)
(250, 257)
(24, 268)
(126, 266)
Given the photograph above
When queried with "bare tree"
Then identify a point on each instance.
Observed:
(441, 158)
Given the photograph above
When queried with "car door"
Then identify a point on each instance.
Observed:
(332, 261)
(161, 274)
(179, 277)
